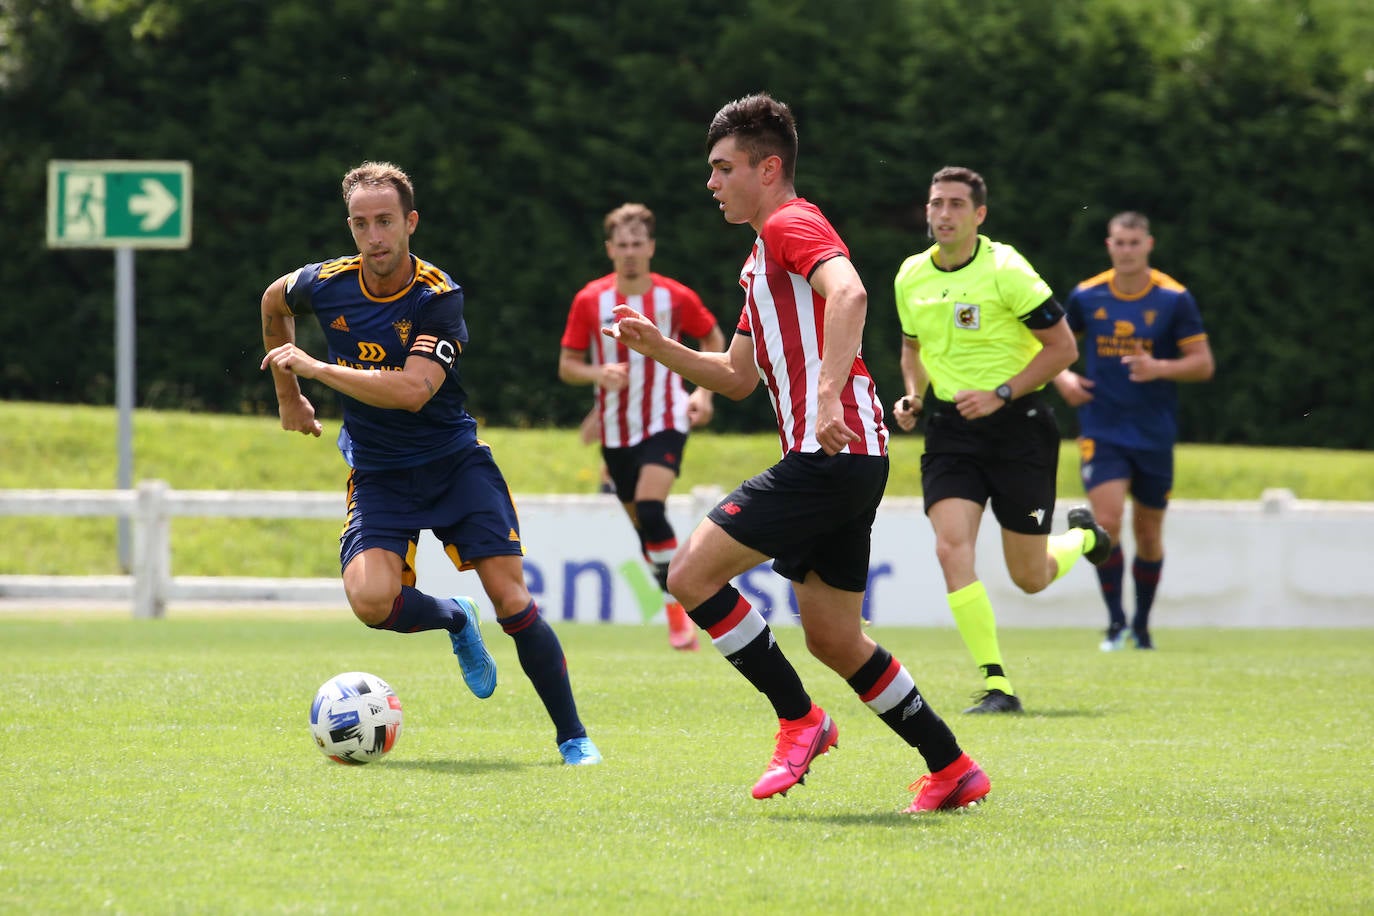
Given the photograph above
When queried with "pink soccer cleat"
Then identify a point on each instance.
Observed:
(962, 784)
(800, 741)
(682, 632)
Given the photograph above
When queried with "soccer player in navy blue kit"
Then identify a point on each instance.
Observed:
(395, 331)
(1142, 334)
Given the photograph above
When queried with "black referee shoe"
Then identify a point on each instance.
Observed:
(994, 701)
(1082, 517)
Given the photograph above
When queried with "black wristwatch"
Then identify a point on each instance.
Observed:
(1004, 392)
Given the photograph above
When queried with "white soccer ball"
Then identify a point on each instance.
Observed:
(356, 718)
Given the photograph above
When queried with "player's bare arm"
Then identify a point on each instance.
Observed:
(574, 369)
(731, 373)
(846, 308)
(410, 389)
(1193, 364)
(701, 405)
(279, 329)
(914, 377)
(1075, 389)
(1058, 351)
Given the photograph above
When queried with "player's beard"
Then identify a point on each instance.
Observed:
(385, 268)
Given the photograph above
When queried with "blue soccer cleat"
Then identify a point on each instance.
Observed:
(479, 668)
(579, 752)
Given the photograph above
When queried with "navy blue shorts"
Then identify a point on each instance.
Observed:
(810, 512)
(462, 499)
(1010, 459)
(623, 464)
(1150, 471)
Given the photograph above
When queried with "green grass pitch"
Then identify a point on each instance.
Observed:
(166, 767)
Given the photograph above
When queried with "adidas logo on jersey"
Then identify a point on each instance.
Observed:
(513, 536)
(339, 324)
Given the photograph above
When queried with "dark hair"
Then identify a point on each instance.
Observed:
(762, 127)
(628, 215)
(977, 187)
(381, 175)
(1129, 219)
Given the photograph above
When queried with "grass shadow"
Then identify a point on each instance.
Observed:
(461, 767)
(884, 819)
(1066, 713)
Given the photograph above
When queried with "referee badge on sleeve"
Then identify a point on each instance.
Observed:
(966, 316)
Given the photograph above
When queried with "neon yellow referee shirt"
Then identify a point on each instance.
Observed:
(968, 321)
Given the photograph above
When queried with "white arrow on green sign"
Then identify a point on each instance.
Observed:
(116, 203)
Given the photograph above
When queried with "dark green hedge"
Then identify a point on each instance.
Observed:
(1241, 128)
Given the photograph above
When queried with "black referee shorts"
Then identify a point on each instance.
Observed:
(1010, 459)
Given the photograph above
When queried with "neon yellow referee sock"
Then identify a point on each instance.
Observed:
(1066, 548)
(978, 626)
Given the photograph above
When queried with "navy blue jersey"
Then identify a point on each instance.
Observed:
(367, 332)
(1160, 320)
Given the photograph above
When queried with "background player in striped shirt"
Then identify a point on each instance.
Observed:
(984, 334)
(1142, 334)
(812, 512)
(395, 330)
(644, 411)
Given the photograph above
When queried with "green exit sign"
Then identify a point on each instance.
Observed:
(119, 204)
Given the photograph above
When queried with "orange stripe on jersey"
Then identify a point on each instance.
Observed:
(431, 276)
(1164, 281)
(339, 265)
(1196, 338)
(1099, 279)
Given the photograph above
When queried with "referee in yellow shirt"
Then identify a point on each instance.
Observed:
(983, 335)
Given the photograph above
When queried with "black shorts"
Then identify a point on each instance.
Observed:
(810, 512)
(1010, 458)
(663, 448)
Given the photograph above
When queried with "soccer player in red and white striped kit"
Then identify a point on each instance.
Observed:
(812, 512)
(644, 410)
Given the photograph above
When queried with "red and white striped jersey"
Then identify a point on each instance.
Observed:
(785, 317)
(655, 398)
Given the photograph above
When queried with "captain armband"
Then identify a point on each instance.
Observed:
(1045, 315)
(440, 349)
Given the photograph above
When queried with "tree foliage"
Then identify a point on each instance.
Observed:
(1240, 127)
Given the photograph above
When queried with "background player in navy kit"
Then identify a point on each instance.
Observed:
(1142, 333)
(394, 327)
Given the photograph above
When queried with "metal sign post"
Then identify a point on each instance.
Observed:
(120, 204)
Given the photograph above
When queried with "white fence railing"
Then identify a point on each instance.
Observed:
(1274, 562)
(151, 507)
